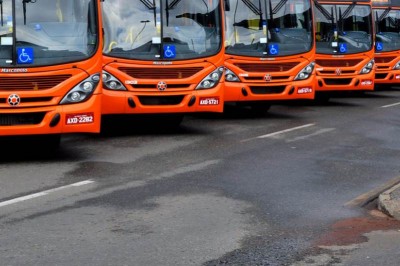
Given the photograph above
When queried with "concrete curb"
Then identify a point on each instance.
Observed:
(389, 202)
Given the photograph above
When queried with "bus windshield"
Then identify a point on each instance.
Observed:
(162, 29)
(343, 29)
(387, 30)
(268, 27)
(47, 32)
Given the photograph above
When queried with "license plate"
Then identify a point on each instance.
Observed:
(76, 119)
(209, 101)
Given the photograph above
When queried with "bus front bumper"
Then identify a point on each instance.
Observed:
(345, 83)
(72, 118)
(128, 102)
(391, 77)
(238, 92)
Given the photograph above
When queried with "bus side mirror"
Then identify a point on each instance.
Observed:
(227, 5)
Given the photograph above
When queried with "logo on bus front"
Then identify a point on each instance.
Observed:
(162, 86)
(338, 72)
(14, 100)
(268, 77)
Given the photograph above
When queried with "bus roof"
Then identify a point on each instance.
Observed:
(344, 1)
(386, 3)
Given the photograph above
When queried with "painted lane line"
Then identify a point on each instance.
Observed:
(274, 134)
(319, 132)
(390, 105)
(44, 193)
(284, 131)
(20, 199)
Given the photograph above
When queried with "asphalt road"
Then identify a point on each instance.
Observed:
(231, 189)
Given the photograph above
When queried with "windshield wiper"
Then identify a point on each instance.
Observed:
(1, 7)
(24, 2)
(327, 15)
(247, 22)
(384, 14)
(279, 6)
(345, 14)
(151, 5)
(172, 6)
(253, 7)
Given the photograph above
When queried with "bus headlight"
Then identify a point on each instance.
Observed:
(82, 91)
(230, 76)
(368, 67)
(306, 72)
(211, 80)
(112, 83)
(397, 66)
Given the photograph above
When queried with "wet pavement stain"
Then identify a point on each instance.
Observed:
(351, 231)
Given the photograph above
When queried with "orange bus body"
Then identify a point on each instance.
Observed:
(162, 84)
(340, 71)
(387, 48)
(34, 98)
(266, 75)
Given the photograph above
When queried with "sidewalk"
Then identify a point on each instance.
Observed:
(389, 202)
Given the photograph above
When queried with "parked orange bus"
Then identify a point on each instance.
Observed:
(50, 61)
(387, 46)
(270, 51)
(345, 46)
(163, 57)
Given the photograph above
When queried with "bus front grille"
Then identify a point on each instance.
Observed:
(333, 72)
(154, 87)
(383, 60)
(267, 89)
(380, 75)
(337, 62)
(21, 119)
(161, 73)
(31, 83)
(39, 100)
(273, 78)
(267, 67)
(337, 81)
(161, 100)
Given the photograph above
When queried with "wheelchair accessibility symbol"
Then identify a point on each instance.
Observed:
(379, 46)
(342, 47)
(25, 55)
(273, 49)
(169, 51)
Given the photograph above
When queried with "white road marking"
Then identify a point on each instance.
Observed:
(274, 134)
(279, 132)
(43, 193)
(390, 105)
(284, 131)
(319, 132)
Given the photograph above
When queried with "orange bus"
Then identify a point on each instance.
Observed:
(345, 46)
(163, 57)
(270, 51)
(50, 67)
(387, 46)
